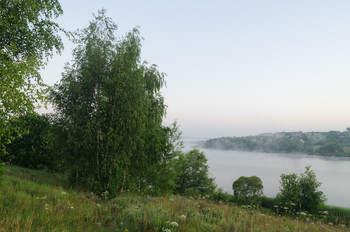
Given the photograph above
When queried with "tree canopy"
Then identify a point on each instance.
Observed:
(28, 36)
(112, 107)
(192, 175)
(332, 148)
(302, 191)
(247, 186)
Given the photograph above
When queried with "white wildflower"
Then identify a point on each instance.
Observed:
(71, 207)
(303, 213)
(46, 206)
(175, 224)
(182, 217)
(166, 230)
(63, 193)
(171, 199)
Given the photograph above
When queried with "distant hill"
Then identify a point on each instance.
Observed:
(332, 143)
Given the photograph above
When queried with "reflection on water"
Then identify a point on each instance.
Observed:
(227, 166)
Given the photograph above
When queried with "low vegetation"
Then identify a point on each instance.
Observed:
(40, 201)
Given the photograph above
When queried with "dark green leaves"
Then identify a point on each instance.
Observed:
(247, 186)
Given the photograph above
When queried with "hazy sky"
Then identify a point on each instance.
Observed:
(237, 68)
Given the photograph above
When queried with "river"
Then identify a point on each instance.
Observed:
(227, 166)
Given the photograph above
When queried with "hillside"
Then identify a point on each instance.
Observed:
(332, 143)
(41, 201)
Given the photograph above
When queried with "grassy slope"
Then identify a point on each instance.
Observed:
(39, 201)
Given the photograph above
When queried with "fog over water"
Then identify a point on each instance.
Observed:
(227, 166)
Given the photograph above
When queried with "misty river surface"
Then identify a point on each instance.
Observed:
(227, 166)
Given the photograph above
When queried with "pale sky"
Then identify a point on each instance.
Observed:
(237, 68)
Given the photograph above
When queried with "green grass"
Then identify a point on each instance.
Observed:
(338, 214)
(40, 201)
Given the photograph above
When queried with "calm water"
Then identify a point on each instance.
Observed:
(227, 166)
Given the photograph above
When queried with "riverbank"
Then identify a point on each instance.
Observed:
(332, 143)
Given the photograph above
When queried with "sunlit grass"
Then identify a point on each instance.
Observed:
(40, 201)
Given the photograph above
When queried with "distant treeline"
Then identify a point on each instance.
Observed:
(332, 143)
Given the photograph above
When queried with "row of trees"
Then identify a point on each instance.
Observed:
(107, 129)
(330, 143)
(298, 192)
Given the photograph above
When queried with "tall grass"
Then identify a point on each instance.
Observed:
(41, 201)
(338, 214)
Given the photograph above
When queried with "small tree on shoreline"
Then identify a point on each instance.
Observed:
(302, 191)
(247, 189)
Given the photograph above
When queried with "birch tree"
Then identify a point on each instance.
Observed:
(113, 109)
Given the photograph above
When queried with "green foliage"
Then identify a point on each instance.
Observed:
(290, 189)
(220, 196)
(192, 175)
(247, 186)
(31, 150)
(28, 36)
(2, 170)
(111, 112)
(331, 142)
(302, 191)
(311, 199)
(268, 202)
(332, 148)
(247, 190)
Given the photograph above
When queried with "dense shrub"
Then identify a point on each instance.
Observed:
(268, 202)
(193, 177)
(301, 191)
(31, 150)
(220, 196)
